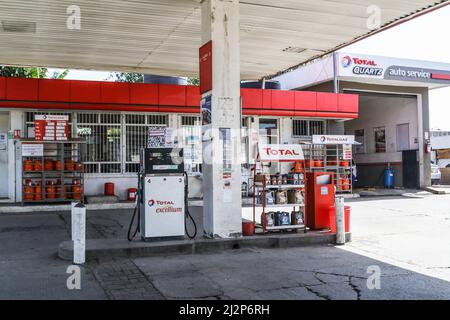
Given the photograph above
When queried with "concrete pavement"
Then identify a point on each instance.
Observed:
(406, 238)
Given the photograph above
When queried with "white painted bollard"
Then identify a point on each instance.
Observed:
(71, 219)
(79, 233)
(340, 222)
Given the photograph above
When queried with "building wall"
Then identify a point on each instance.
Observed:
(94, 183)
(419, 127)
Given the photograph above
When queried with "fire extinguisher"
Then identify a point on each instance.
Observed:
(427, 146)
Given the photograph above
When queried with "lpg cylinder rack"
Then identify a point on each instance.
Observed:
(279, 197)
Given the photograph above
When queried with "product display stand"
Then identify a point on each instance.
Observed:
(279, 191)
(52, 171)
(331, 158)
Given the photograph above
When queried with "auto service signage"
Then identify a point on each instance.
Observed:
(364, 66)
(280, 152)
(333, 139)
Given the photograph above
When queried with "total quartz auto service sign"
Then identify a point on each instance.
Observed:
(377, 67)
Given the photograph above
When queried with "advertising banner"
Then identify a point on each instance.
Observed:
(280, 152)
(388, 68)
(333, 139)
(32, 150)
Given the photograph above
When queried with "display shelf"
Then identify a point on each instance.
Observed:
(286, 227)
(281, 186)
(280, 205)
(292, 192)
(48, 184)
(331, 153)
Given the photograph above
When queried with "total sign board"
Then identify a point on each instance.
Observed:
(280, 152)
(333, 139)
(377, 67)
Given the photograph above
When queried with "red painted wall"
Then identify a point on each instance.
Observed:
(114, 96)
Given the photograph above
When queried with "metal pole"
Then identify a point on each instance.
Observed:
(79, 233)
(340, 223)
(335, 78)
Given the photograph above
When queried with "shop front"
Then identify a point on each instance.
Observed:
(392, 129)
(113, 121)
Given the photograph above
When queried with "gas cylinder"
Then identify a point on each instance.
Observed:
(50, 192)
(77, 190)
(389, 178)
(28, 165)
(38, 192)
(28, 193)
(58, 165)
(109, 189)
(48, 165)
(132, 194)
(37, 165)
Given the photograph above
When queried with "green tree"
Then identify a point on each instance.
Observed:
(31, 72)
(193, 81)
(127, 77)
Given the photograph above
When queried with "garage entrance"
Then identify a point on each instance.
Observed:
(388, 130)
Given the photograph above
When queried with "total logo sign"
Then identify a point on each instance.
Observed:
(163, 206)
(280, 152)
(361, 66)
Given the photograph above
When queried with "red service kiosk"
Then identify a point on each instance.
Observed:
(320, 196)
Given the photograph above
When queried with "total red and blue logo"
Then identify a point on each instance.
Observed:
(151, 203)
(346, 61)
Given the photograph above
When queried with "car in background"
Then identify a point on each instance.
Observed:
(435, 174)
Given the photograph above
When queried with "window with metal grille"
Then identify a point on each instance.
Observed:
(306, 128)
(136, 133)
(104, 139)
(29, 122)
(190, 141)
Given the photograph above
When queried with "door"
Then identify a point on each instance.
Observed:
(4, 175)
(410, 169)
(403, 137)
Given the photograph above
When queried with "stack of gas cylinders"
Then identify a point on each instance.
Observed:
(33, 189)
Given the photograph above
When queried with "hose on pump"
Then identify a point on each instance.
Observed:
(188, 215)
(137, 210)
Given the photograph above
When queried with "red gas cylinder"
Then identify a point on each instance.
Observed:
(132, 194)
(109, 189)
(248, 228)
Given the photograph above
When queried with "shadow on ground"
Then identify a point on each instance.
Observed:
(29, 268)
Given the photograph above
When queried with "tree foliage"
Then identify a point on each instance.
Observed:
(31, 72)
(193, 81)
(127, 77)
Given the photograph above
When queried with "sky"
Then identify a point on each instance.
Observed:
(423, 38)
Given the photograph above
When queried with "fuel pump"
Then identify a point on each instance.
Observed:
(162, 196)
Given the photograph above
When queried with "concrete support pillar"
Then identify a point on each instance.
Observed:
(221, 138)
(16, 122)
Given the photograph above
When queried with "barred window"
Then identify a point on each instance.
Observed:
(306, 128)
(316, 127)
(104, 139)
(190, 141)
(136, 133)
